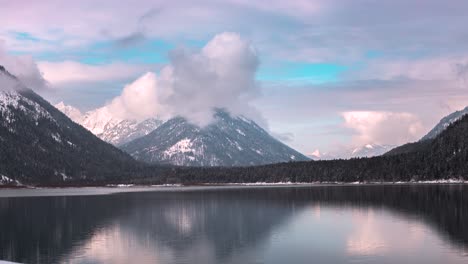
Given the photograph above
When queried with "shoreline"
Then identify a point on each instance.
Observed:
(233, 184)
(125, 185)
(63, 191)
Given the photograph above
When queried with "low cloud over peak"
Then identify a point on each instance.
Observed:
(24, 68)
(220, 75)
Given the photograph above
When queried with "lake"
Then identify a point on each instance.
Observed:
(296, 224)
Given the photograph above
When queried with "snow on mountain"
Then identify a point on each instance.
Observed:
(99, 120)
(70, 111)
(318, 155)
(12, 101)
(368, 150)
(228, 141)
(104, 124)
(38, 143)
(444, 123)
(128, 130)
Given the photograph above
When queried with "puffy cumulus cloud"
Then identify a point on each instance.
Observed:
(65, 72)
(383, 127)
(24, 68)
(221, 75)
(143, 98)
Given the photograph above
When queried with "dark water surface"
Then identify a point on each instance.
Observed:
(326, 224)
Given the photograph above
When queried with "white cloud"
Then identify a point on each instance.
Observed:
(141, 99)
(60, 73)
(221, 75)
(24, 68)
(383, 127)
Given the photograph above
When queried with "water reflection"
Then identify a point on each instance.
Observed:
(339, 224)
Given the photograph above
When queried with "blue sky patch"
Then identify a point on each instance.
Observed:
(315, 73)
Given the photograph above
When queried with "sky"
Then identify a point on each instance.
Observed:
(319, 74)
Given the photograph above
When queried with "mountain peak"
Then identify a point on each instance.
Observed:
(228, 141)
(72, 112)
(105, 125)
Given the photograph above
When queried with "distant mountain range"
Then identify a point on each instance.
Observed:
(372, 150)
(228, 141)
(41, 144)
(107, 126)
(368, 150)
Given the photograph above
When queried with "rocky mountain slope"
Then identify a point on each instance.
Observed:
(228, 141)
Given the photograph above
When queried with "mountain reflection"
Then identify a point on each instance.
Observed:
(217, 226)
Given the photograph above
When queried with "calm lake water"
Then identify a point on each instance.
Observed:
(326, 224)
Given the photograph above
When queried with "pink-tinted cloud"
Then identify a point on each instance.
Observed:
(383, 127)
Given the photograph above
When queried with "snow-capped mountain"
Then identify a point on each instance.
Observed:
(318, 155)
(70, 111)
(107, 126)
(228, 141)
(38, 143)
(368, 150)
(444, 123)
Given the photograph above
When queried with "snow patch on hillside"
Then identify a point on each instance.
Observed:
(183, 146)
(12, 100)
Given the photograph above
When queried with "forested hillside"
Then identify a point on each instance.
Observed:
(39, 144)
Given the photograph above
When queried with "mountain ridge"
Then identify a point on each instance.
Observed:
(228, 141)
(106, 126)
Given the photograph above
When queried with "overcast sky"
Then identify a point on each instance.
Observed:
(323, 74)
